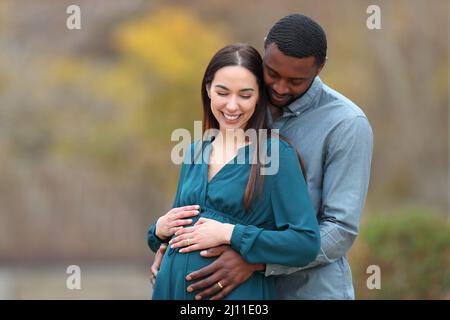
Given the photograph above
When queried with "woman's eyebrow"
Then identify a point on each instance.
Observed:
(221, 86)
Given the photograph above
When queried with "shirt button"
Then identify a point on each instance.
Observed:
(298, 112)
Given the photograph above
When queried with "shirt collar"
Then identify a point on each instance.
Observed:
(305, 102)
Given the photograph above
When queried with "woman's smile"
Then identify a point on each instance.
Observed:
(231, 119)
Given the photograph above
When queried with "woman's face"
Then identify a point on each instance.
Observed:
(233, 93)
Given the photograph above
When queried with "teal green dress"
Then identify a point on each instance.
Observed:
(279, 228)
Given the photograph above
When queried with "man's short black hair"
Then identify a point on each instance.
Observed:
(299, 36)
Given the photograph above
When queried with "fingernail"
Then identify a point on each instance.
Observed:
(198, 297)
(203, 252)
(189, 289)
(181, 250)
(188, 278)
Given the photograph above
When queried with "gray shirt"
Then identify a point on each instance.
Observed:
(335, 141)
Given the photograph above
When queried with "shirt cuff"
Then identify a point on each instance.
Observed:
(269, 270)
(276, 270)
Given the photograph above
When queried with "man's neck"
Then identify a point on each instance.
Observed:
(276, 112)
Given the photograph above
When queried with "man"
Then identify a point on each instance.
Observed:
(334, 139)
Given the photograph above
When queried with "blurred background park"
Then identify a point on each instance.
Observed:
(86, 117)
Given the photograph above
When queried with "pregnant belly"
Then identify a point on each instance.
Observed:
(171, 281)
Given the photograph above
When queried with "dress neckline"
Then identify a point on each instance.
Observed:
(208, 152)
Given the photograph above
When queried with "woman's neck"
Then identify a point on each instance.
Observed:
(231, 139)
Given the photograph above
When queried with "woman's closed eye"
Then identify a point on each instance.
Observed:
(224, 94)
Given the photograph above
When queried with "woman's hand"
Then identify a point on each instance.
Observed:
(206, 233)
(174, 220)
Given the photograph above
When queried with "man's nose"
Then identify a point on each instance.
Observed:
(280, 87)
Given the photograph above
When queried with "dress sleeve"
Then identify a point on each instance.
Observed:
(296, 240)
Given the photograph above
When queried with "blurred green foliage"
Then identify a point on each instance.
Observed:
(136, 99)
(94, 129)
(412, 248)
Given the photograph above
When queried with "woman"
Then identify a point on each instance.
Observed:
(266, 218)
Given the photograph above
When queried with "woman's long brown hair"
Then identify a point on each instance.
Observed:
(248, 57)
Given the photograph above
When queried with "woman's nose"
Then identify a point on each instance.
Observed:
(232, 105)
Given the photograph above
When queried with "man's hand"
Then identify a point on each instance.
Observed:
(224, 274)
(157, 263)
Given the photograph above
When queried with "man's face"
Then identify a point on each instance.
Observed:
(286, 77)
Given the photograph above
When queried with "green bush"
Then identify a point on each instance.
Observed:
(412, 249)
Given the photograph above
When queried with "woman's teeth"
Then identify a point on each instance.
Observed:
(228, 117)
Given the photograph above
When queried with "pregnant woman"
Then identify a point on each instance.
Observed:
(227, 192)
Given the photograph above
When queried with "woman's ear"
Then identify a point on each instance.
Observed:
(208, 90)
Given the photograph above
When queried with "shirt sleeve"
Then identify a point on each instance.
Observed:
(153, 241)
(296, 240)
(345, 184)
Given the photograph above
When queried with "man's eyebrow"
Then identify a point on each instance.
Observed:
(298, 78)
(267, 66)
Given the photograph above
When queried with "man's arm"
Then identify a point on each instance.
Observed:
(345, 184)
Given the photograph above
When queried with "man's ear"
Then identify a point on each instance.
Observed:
(321, 66)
